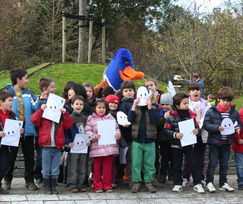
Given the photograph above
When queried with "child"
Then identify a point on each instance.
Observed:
(211, 99)
(152, 85)
(238, 150)
(6, 103)
(51, 138)
(77, 162)
(90, 95)
(163, 149)
(144, 120)
(181, 113)
(128, 91)
(113, 103)
(102, 154)
(24, 105)
(200, 107)
(46, 85)
(219, 145)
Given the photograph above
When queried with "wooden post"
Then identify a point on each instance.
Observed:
(90, 41)
(103, 42)
(64, 39)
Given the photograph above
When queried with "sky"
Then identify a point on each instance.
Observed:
(205, 6)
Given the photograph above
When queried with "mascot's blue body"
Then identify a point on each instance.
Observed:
(120, 68)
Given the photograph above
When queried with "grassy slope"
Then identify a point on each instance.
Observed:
(238, 102)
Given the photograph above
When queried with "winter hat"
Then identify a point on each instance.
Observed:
(166, 99)
(112, 99)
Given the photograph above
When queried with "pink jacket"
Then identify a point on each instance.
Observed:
(91, 129)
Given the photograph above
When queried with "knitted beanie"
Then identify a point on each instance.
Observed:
(166, 99)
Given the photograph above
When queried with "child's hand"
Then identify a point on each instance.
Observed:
(136, 101)
(117, 136)
(63, 110)
(237, 130)
(179, 135)
(240, 141)
(71, 144)
(44, 95)
(88, 144)
(21, 130)
(166, 114)
(96, 136)
(221, 128)
(2, 134)
(149, 104)
(195, 131)
(125, 126)
(43, 106)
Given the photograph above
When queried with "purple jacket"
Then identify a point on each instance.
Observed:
(91, 129)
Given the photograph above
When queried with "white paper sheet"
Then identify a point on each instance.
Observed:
(122, 118)
(171, 89)
(229, 127)
(107, 131)
(80, 144)
(143, 94)
(12, 132)
(186, 127)
(123, 155)
(52, 111)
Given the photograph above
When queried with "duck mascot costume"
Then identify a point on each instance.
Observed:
(120, 68)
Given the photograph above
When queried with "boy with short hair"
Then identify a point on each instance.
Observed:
(6, 102)
(25, 103)
(219, 145)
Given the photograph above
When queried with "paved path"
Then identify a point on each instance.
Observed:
(20, 195)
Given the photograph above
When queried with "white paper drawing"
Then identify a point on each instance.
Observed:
(186, 127)
(12, 132)
(143, 93)
(171, 89)
(122, 118)
(80, 143)
(229, 127)
(107, 131)
(53, 106)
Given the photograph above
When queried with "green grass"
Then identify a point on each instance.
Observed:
(238, 102)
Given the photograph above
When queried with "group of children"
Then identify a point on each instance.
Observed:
(152, 140)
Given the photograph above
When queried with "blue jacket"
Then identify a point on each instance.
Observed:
(31, 104)
(213, 120)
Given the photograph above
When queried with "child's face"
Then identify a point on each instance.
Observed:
(209, 99)
(100, 108)
(78, 106)
(166, 107)
(71, 93)
(113, 106)
(184, 105)
(128, 93)
(224, 103)
(195, 94)
(7, 104)
(51, 88)
(89, 92)
(22, 83)
(151, 85)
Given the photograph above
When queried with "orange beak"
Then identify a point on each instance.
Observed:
(130, 74)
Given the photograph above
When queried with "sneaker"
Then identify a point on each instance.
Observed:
(135, 187)
(31, 186)
(211, 188)
(185, 182)
(177, 188)
(198, 188)
(108, 191)
(74, 190)
(82, 189)
(3, 191)
(39, 183)
(6, 185)
(150, 187)
(99, 191)
(226, 187)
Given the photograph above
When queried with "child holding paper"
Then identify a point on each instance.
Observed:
(102, 154)
(51, 139)
(6, 103)
(77, 162)
(182, 113)
(219, 144)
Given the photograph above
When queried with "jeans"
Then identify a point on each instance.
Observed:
(239, 167)
(77, 170)
(51, 157)
(4, 161)
(143, 157)
(38, 162)
(27, 143)
(177, 155)
(217, 154)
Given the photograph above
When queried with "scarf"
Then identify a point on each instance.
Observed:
(223, 109)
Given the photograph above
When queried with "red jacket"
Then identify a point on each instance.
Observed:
(44, 125)
(235, 146)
